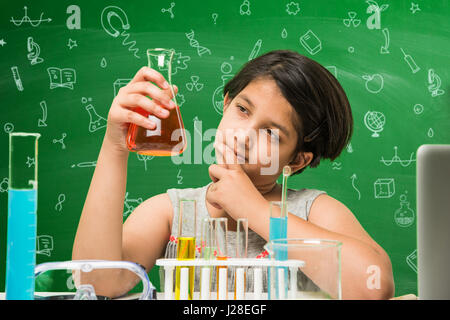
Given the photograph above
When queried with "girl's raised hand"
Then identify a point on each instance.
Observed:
(147, 83)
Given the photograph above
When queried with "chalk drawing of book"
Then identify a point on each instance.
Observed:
(44, 245)
(311, 42)
(62, 78)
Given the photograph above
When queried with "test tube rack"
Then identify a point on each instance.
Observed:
(240, 266)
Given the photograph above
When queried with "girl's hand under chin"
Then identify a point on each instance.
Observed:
(231, 190)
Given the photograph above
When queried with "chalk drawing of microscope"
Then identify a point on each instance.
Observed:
(112, 11)
(434, 84)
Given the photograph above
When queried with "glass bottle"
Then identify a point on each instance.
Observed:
(169, 137)
(404, 216)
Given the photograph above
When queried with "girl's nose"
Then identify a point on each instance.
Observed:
(244, 141)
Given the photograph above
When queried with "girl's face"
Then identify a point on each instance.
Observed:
(258, 125)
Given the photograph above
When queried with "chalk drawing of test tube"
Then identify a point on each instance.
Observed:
(16, 76)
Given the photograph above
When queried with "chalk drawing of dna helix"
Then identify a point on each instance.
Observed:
(194, 44)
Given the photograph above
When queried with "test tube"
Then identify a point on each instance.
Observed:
(278, 230)
(207, 251)
(257, 283)
(293, 281)
(241, 253)
(22, 216)
(168, 282)
(185, 284)
(278, 211)
(187, 222)
(221, 231)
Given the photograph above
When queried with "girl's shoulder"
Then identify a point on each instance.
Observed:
(300, 201)
(192, 193)
(305, 194)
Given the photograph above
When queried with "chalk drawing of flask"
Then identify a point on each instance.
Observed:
(404, 216)
(217, 98)
(96, 122)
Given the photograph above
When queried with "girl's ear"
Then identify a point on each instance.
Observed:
(300, 160)
(226, 102)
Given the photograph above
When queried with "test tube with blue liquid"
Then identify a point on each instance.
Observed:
(22, 215)
(278, 230)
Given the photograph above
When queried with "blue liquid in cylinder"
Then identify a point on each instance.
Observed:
(21, 244)
(278, 230)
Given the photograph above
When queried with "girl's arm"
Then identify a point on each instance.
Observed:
(101, 234)
(330, 214)
(233, 191)
(330, 219)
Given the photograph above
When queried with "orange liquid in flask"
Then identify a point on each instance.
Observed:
(167, 139)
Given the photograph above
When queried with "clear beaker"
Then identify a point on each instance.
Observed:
(168, 138)
(22, 218)
(319, 278)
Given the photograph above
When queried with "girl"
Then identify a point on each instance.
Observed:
(300, 108)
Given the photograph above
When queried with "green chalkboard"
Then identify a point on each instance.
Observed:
(61, 65)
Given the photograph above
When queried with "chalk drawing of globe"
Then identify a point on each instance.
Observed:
(375, 122)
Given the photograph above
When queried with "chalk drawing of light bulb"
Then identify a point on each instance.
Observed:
(375, 122)
(217, 98)
(110, 12)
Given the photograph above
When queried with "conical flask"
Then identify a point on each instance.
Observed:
(169, 137)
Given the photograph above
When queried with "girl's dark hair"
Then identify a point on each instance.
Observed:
(325, 122)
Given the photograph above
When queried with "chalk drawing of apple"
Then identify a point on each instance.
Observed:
(374, 83)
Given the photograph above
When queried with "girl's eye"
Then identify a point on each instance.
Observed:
(241, 108)
(272, 134)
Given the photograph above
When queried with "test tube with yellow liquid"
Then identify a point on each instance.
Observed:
(184, 276)
(221, 230)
